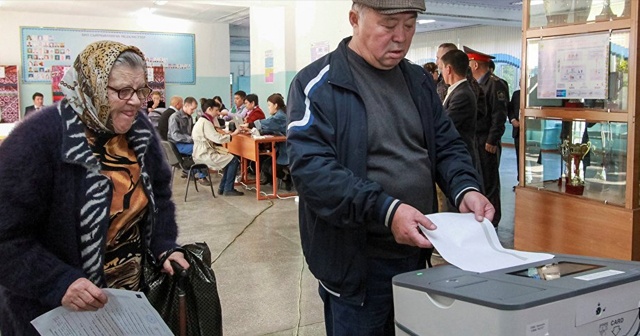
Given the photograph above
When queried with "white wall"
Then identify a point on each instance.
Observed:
(487, 39)
(212, 48)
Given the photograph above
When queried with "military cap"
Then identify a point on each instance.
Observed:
(476, 55)
(394, 6)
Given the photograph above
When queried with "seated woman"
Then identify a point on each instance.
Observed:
(206, 149)
(275, 124)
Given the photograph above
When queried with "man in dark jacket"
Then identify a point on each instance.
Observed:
(366, 175)
(163, 122)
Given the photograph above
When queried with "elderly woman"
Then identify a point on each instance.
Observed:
(96, 194)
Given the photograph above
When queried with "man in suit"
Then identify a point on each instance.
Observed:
(460, 101)
(38, 99)
(163, 122)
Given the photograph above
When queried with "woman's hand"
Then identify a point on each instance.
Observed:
(83, 295)
(177, 257)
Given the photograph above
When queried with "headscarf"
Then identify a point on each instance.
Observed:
(85, 84)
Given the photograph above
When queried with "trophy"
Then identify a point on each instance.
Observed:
(573, 155)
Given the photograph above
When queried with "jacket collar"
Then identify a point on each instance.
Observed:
(340, 71)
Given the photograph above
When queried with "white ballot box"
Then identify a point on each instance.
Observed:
(564, 296)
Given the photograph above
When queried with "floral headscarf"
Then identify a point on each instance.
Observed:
(85, 84)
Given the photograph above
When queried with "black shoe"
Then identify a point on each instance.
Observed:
(220, 191)
(183, 175)
(233, 192)
(287, 185)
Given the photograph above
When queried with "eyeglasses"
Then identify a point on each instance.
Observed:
(127, 92)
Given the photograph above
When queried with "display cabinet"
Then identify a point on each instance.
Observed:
(579, 165)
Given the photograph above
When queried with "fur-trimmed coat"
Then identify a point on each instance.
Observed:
(54, 211)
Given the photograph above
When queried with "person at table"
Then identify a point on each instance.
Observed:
(275, 124)
(254, 112)
(155, 102)
(38, 99)
(207, 149)
(98, 194)
(238, 106)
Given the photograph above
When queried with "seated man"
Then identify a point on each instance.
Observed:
(180, 126)
(163, 121)
(238, 106)
(38, 99)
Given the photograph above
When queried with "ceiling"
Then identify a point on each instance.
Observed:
(447, 14)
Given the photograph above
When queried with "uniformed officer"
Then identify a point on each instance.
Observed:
(490, 129)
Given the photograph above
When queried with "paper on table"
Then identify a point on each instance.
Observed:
(126, 313)
(473, 246)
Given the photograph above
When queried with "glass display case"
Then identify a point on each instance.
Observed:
(575, 157)
(613, 73)
(551, 13)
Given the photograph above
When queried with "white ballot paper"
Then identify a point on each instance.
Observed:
(126, 313)
(474, 246)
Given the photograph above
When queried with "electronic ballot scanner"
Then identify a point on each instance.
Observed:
(564, 296)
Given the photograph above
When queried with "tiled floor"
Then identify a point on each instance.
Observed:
(265, 287)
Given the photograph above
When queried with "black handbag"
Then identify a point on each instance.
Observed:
(203, 311)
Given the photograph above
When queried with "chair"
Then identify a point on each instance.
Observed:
(176, 161)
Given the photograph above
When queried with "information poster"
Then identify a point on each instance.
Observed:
(43, 48)
(268, 66)
(574, 67)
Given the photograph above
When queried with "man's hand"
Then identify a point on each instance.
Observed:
(491, 148)
(83, 295)
(475, 202)
(515, 123)
(404, 226)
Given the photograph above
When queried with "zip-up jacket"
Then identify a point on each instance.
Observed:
(327, 146)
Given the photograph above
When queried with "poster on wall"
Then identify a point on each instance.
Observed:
(268, 66)
(43, 48)
(9, 97)
(574, 67)
(319, 49)
(57, 72)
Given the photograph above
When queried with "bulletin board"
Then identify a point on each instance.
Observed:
(43, 48)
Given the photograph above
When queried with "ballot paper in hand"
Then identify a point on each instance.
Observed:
(126, 313)
(473, 246)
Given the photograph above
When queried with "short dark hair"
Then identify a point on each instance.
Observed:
(190, 100)
(37, 94)
(209, 103)
(240, 93)
(458, 60)
(252, 98)
(448, 46)
(492, 65)
(430, 67)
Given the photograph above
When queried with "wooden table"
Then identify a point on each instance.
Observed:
(248, 149)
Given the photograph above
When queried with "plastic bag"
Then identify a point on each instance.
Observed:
(203, 310)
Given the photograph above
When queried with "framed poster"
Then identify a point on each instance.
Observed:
(43, 48)
(574, 67)
(9, 97)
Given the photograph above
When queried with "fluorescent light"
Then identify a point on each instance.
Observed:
(425, 21)
(160, 2)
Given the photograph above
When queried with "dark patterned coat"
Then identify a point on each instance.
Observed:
(54, 211)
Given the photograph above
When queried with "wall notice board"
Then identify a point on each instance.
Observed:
(43, 48)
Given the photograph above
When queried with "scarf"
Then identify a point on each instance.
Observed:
(85, 84)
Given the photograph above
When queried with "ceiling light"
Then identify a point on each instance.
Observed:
(425, 21)
(160, 2)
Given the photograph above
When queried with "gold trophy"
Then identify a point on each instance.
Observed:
(573, 155)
